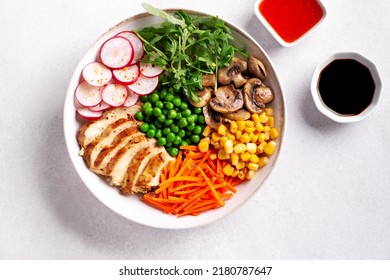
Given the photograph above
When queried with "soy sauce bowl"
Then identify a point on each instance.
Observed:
(326, 107)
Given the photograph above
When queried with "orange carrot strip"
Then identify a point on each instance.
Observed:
(189, 148)
(213, 191)
(192, 198)
(166, 183)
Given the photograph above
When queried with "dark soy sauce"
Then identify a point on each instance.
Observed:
(346, 86)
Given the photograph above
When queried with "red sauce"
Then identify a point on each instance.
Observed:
(291, 18)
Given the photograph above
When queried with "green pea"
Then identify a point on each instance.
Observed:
(169, 105)
(158, 134)
(157, 112)
(184, 143)
(190, 119)
(169, 97)
(163, 93)
(148, 111)
(152, 126)
(158, 124)
(177, 140)
(175, 128)
(148, 119)
(159, 104)
(201, 119)
(161, 118)
(139, 116)
(144, 127)
(168, 122)
(151, 133)
(161, 141)
(198, 110)
(181, 133)
(170, 137)
(183, 122)
(183, 106)
(147, 105)
(174, 152)
(172, 114)
(170, 90)
(186, 113)
(195, 117)
(176, 101)
(144, 98)
(190, 127)
(168, 145)
(178, 116)
(153, 98)
(166, 130)
(195, 139)
(197, 130)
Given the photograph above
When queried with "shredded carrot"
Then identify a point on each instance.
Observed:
(192, 184)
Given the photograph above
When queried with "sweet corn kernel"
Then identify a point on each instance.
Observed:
(222, 154)
(230, 136)
(261, 138)
(240, 125)
(235, 173)
(228, 170)
(262, 161)
(271, 121)
(207, 131)
(245, 156)
(222, 141)
(250, 129)
(213, 156)
(255, 118)
(254, 158)
(238, 134)
(216, 136)
(228, 146)
(252, 166)
(254, 138)
(259, 127)
(215, 144)
(266, 128)
(266, 135)
(222, 129)
(263, 118)
(268, 111)
(270, 148)
(249, 123)
(233, 127)
(234, 158)
(245, 138)
(251, 148)
(274, 133)
(240, 165)
(203, 146)
(241, 175)
(205, 139)
(250, 175)
(239, 148)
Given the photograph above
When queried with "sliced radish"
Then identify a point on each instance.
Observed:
(127, 75)
(96, 74)
(85, 112)
(132, 98)
(88, 95)
(116, 52)
(149, 70)
(136, 42)
(144, 85)
(115, 94)
(100, 107)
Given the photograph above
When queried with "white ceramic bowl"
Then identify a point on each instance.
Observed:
(277, 37)
(131, 207)
(329, 112)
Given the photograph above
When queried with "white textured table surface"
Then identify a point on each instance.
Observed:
(328, 197)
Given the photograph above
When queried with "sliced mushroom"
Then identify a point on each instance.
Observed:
(227, 99)
(208, 80)
(256, 68)
(213, 119)
(204, 96)
(240, 115)
(233, 73)
(256, 95)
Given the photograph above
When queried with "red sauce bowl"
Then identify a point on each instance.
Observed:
(290, 21)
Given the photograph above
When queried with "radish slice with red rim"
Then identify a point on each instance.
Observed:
(85, 112)
(127, 75)
(132, 98)
(96, 74)
(100, 107)
(144, 85)
(88, 95)
(150, 70)
(115, 94)
(116, 52)
(138, 45)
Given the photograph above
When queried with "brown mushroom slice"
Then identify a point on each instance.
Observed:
(256, 68)
(240, 115)
(256, 95)
(204, 97)
(208, 80)
(233, 73)
(227, 99)
(213, 119)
